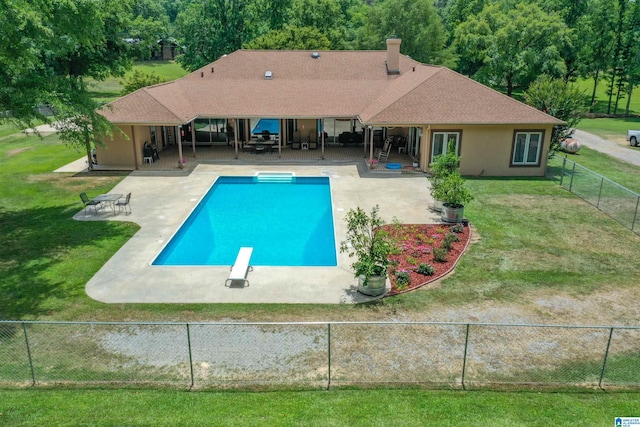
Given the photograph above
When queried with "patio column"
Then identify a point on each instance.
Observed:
(235, 136)
(322, 137)
(179, 147)
(193, 138)
(135, 148)
(370, 130)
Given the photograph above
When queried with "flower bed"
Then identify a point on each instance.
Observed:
(427, 252)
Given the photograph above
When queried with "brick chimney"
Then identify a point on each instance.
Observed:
(393, 55)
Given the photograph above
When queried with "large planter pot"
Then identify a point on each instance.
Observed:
(451, 214)
(376, 285)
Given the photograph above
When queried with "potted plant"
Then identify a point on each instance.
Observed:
(454, 195)
(371, 245)
(442, 165)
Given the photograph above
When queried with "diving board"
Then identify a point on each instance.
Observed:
(240, 268)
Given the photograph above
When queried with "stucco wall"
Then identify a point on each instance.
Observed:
(119, 149)
(486, 150)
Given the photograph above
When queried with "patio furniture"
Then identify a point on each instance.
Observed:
(109, 199)
(88, 202)
(240, 268)
(384, 155)
(123, 204)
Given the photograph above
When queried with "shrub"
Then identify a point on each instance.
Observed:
(402, 279)
(457, 228)
(425, 269)
(440, 254)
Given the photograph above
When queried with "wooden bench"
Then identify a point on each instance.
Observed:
(240, 268)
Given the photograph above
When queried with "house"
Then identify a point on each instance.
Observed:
(334, 98)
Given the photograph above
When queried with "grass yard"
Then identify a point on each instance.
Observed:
(110, 88)
(533, 239)
(602, 99)
(333, 408)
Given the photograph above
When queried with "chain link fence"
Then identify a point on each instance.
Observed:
(317, 355)
(617, 201)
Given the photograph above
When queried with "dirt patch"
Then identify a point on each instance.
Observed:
(17, 151)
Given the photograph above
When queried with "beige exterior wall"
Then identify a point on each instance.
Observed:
(486, 150)
(119, 150)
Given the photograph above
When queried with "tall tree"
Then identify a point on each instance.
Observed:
(211, 28)
(58, 46)
(598, 32)
(304, 38)
(416, 22)
(512, 45)
(325, 15)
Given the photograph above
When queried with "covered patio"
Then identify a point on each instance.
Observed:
(222, 153)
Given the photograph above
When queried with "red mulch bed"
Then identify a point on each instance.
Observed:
(416, 242)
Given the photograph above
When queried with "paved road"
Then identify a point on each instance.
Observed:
(628, 154)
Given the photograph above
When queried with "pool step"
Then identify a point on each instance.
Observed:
(275, 176)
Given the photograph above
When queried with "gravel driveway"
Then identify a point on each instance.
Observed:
(627, 154)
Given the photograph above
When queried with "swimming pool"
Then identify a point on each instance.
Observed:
(287, 220)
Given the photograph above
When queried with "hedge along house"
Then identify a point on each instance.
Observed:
(366, 95)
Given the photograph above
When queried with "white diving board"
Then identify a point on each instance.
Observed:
(240, 268)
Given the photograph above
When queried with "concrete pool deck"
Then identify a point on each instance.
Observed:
(161, 203)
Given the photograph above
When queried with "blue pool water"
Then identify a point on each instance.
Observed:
(287, 222)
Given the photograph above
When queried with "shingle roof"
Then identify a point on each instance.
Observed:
(337, 84)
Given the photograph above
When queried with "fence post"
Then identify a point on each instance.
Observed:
(606, 356)
(26, 340)
(190, 356)
(464, 359)
(600, 192)
(328, 356)
(635, 215)
(564, 162)
(573, 172)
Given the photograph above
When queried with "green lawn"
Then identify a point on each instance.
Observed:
(110, 89)
(332, 408)
(523, 225)
(602, 99)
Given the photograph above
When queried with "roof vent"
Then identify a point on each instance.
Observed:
(315, 55)
(268, 75)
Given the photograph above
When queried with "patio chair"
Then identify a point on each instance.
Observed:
(384, 155)
(123, 204)
(88, 202)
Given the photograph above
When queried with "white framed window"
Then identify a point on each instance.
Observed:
(440, 142)
(527, 146)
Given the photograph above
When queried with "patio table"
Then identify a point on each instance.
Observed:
(108, 199)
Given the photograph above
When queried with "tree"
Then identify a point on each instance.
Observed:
(416, 22)
(560, 100)
(512, 46)
(137, 80)
(303, 38)
(325, 15)
(598, 26)
(57, 46)
(211, 28)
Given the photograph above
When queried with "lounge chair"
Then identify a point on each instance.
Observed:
(123, 204)
(240, 268)
(88, 202)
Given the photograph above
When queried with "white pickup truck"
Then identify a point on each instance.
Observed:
(633, 136)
